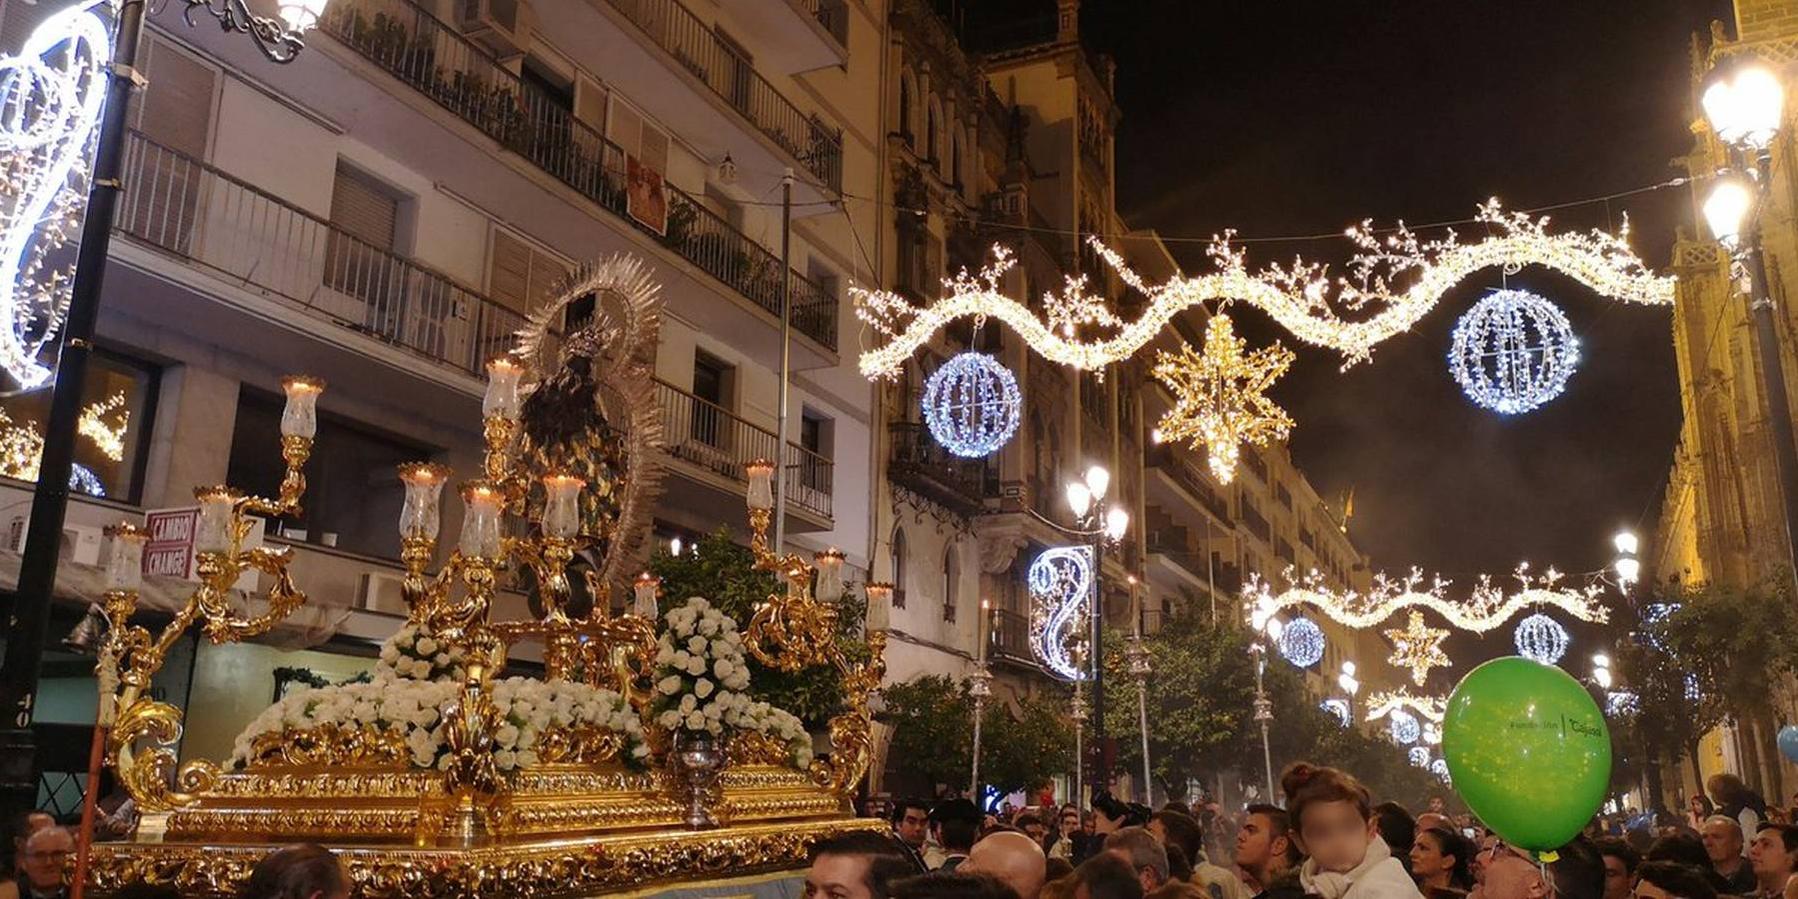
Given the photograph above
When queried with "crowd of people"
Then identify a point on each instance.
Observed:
(1330, 840)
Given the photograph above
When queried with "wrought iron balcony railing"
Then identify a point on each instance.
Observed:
(182, 206)
(709, 436)
(415, 47)
(814, 145)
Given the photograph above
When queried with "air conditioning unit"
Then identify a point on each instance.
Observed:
(380, 591)
(80, 542)
(502, 26)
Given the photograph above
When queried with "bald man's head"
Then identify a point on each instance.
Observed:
(1011, 857)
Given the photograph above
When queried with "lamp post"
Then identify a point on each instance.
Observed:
(281, 41)
(980, 686)
(1346, 680)
(1138, 655)
(1264, 712)
(1744, 103)
(1103, 523)
(1627, 566)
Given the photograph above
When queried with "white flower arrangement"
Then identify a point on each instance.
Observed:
(701, 675)
(417, 655)
(416, 679)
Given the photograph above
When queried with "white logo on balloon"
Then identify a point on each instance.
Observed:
(1061, 582)
(51, 95)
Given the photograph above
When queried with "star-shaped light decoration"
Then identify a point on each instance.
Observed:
(1418, 647)
(1220, 396)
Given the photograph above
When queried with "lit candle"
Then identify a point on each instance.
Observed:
(761, 484)
(829, 587)
(125, 557)
(420, 515)
(561, 505)
(501, 400)
(213, 530)
(480, 520)
(880, 603)
(300, 417)
(647, 588)
(1135, 610)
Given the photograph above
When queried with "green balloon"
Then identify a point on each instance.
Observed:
(1528, 750)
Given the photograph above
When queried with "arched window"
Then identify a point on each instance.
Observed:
(951, 574)
(930, 133)
(905, 124)
(898, 568)
(954, 157)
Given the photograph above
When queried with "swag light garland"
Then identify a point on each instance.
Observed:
(1429, 708)
(1303, 297)
(1487, 608)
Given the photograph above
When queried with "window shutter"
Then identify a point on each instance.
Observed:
(590, 102)
(363, 209)
(653, 149)
(627, 127)
(509, 271)
(546, 272)
(177, 112)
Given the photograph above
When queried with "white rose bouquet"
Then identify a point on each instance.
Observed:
(701, 676)
(417, 678)
(416, 654)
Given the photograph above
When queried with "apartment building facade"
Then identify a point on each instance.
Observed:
(384, 211)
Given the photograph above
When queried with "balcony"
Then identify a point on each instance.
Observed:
(1175, 482)
(206, 218)
(710, 445)
(1010, 637)
(731, 78)
(428, 55)
(919, 464)
(798, 35)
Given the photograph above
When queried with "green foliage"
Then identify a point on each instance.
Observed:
(932, 719)
(722, 571)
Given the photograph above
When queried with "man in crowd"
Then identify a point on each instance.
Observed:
(1619, 867)
(1723, 845)
(911, 821)
(47, 852)
(1106, 876)
(1266, 854)
(1033, 825)
(22, 828)
(957, 823)
(1773, 856)
(1185, 836)
(856, 865)
(1011, 857)
(1148, 858)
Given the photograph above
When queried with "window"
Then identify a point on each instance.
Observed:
(177, 116)
(353, 493)
(712, 382)
(905, 131)
(117, 411)
(519, 275)
(359, 261)
(930, 136)
(899, 568)
(951, 574)
(914, 256)
(816, 436)
(739, 72)
(955, 157)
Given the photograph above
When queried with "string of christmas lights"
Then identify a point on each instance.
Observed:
(1303, 297)
(1339, 709)
(54, 89)
(1429, 708)
(1488, 606)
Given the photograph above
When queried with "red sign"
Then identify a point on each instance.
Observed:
(170, 550)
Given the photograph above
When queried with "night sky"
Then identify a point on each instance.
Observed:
(1302, 117)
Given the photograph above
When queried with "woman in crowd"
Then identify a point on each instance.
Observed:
(1334, 824)
(1441, 862)
(1735, 800)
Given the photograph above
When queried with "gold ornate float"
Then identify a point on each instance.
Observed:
(440, 778)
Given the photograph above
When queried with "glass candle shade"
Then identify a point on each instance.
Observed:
(300, 416)
(562, 505)
(829, 586)
(213, 529)
(421, 515)
(761, 484)
(124, 551)
(480, 520)
(880, 604)
(501, 400)
(647, 587)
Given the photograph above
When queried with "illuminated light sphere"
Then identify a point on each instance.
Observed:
(1338, 708)
(1419, 756)
(1432, 734)
(1439, 768)
(1541, 638)
(972, 405)
(1513, 352)
(1404, 727)
(1302, 642)
(1621, 703)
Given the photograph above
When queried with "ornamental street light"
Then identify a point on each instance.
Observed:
(1103, 523)
(1744, 103)
(280, 40)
